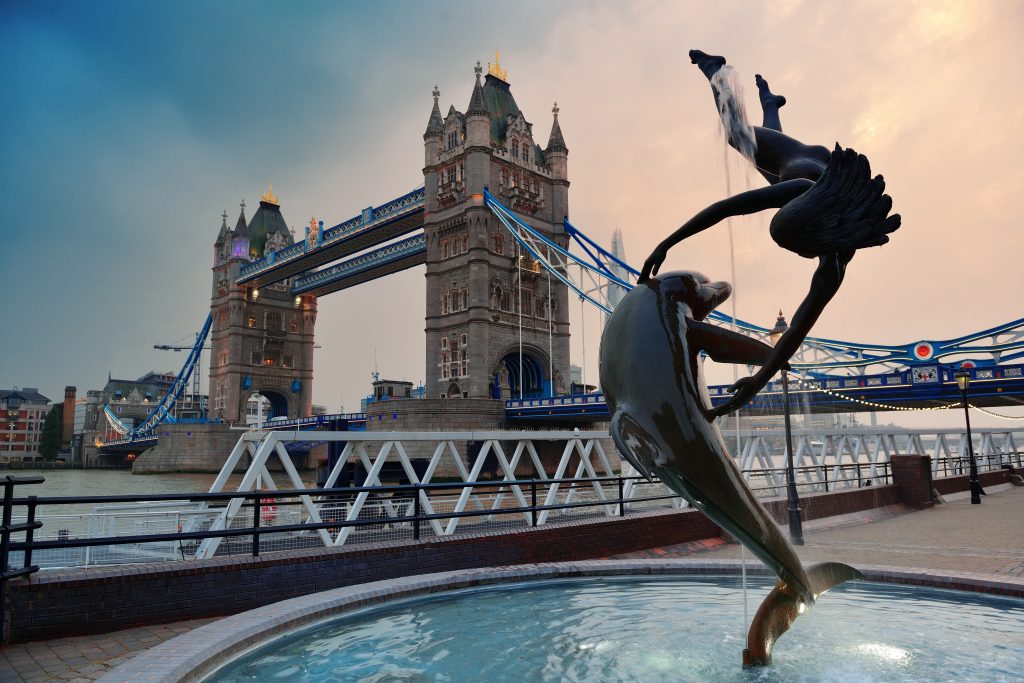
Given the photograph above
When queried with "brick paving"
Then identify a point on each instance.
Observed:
(955, 536)
(84, 658)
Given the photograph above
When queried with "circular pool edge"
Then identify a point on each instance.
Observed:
(196, 654)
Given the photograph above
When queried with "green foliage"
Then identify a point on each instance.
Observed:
(53, 427)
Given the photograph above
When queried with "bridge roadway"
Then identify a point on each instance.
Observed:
(372, 227)
(918, 387)
(383, 261)
(996, 386)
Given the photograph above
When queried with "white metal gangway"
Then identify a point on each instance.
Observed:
(827, 459)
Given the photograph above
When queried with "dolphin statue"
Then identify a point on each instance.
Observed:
(663, 425)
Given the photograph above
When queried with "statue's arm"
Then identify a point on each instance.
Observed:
(761, 199)
(824, 285)
(726, 346)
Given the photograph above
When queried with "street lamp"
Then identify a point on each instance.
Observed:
(963, 380)
(796, 531)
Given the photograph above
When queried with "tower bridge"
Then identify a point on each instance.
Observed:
(490, 223)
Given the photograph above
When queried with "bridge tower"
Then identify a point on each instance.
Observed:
(261, 339)
(496, 325)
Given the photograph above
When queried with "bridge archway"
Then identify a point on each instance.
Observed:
(277, 403)
(528, 367)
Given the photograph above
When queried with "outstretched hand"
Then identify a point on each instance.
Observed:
(653, 263)
(744, 389)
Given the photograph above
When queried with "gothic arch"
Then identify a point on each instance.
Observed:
(532, 367)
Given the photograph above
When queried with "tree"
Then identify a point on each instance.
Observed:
(49, 440)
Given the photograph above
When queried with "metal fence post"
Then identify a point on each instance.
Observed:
(622, 499)
(29, 534)
(5, 542)
(533, 502)
(256, 525)
(825, 472)
(416, 513)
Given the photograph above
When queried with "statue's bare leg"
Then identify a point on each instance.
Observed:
(770, 104)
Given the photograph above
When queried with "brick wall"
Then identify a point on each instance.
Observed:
(99, 599)
(818, 506)
(948, 485)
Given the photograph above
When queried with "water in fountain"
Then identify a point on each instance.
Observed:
(733, 113)
(736, 132)
(645, 629)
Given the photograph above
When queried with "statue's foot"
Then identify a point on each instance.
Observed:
(768, 99)
(708, 64)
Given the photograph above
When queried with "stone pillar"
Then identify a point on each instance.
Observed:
(912, 475)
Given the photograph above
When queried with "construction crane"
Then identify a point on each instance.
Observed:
(197, 373)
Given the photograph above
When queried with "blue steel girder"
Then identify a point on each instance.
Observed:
(817, 355)
(365, 267)
(370, 228)
(161, 412)
(922, 387)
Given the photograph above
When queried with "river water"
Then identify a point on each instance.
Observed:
(122, 483)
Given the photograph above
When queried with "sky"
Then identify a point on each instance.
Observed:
(128, 127)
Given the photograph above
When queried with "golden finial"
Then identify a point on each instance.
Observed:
(495, 69)
(312, 225)
(269, 197)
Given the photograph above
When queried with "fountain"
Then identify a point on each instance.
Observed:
(645, 628)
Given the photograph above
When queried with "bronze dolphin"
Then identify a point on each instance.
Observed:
(662, 423)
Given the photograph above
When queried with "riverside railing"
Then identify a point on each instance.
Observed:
(7, 529)
(265, 525)
(124, 529)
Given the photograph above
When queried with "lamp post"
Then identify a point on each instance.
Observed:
(963, 380)
(796, 531)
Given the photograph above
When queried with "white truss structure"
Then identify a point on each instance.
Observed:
(833, 456)
(583, 456)
(833, 459)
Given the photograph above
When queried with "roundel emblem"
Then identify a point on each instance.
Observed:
(967, 364)
(923, 351)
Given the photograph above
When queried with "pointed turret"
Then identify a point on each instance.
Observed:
(556, 143)
(241, 226)
(225, 232)
(477, 105)
(435, 126)
(478, 117)
(240, 237)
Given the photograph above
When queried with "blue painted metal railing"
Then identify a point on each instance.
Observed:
(368, 219)
(379, 257)
(833, 354)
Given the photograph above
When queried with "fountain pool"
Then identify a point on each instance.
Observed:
(647, 628)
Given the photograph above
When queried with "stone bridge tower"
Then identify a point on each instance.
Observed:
(261, 339)
(496, 325)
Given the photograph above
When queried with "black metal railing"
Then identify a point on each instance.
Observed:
(815, 478)
(250, 510)
(250, 506)
(7, 528)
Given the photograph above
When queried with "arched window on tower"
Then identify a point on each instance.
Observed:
(274, 322)
(515, 149)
